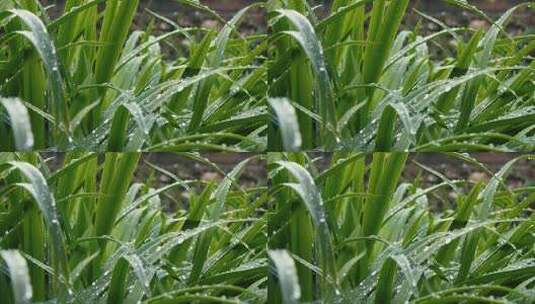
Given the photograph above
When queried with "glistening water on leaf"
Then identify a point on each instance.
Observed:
(286, 120)
(19, 275)
(93, 78)
(87, 228)
(19, 119)
(379, 83)
(394, 235)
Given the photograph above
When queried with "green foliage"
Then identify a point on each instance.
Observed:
(386, 239)
(91, 81)
(89, 231)
(360, 81)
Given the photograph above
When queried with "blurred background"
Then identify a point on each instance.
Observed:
(158, 170)
(228, 7)
(427, 169)
(255, 21)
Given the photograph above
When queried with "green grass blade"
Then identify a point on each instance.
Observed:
(310, 196)
(39, 190)
(20, 123)
(464, 60)
(200, 101)
(307, 39)
(205, 239)
(117, 174)
(287, 123)
(117, 291)
(114, 32)
(19, 274)
(385, 285)
(381, 34)
(287, 276)
(44, 46)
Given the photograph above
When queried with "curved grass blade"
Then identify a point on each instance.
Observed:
(205, 239)
(44, 46)
(20, 123)
(381, 34)
(117, 174)
(310, 196)
(287, 275)
(309, 42)
(39, 190)
(19, 274)
(215, 60)
(287, 123)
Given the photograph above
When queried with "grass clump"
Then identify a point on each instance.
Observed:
(88, 81)
(352, 229)
(106, 229)
(358, 81)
